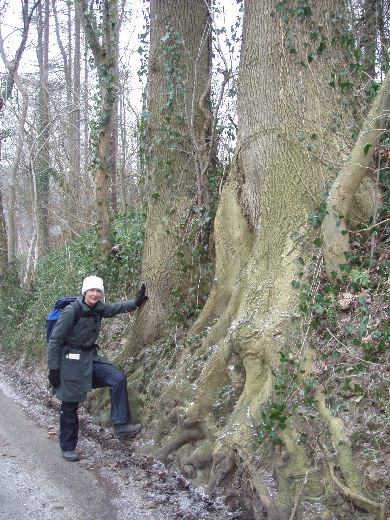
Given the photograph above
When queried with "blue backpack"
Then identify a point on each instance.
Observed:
(60, 304)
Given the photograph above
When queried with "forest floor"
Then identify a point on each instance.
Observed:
(111, 480)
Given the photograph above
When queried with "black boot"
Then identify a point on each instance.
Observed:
(127, 430)
(71, 456)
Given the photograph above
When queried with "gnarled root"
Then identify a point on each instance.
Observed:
(298, 498)
(379, 510)
(200, 459)
(223, 465)
(253, 492)
(262, 492)
(179, 439)
(345, 461)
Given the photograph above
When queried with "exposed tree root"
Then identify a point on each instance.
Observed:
(178, 440)
(200, 458)
(223, 465)
(364, 503)
(297, 500)
(345, 461)
(263, 493)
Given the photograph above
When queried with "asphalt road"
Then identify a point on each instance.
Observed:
(112, 480)
(37, 484)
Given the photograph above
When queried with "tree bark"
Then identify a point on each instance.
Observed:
(3, 248)
(262, 233)
(335, 225)
(369, 31)
(177, 126)
(70, 130)
(42, 168)
(102, 45)
(383, 36)
(12, 234)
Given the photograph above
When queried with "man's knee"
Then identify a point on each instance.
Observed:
(120, 378)
(115, 376)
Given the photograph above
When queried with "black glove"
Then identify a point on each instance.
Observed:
(141, 298)
(55, 377)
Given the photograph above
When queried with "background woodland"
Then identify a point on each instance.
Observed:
(233, 156)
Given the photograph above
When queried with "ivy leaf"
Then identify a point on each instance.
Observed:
(366, 148)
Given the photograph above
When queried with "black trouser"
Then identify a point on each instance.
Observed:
(103, 374)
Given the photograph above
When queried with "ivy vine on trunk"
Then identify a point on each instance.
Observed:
(101, 35)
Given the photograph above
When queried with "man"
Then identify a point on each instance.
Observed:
(75, 367)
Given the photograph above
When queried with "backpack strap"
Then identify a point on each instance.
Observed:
(77, 312)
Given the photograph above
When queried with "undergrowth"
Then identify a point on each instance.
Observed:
(347, 324)
(61, 273)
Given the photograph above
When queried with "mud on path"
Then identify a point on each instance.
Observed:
(111, 481)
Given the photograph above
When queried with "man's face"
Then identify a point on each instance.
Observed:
(92, 297)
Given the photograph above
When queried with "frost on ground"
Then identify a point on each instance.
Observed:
(144, 488)
(22, 495)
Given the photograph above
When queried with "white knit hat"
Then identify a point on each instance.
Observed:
(92, 282)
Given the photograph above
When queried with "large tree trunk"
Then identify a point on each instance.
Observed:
(42, 166)
(75, 215)
(3, 249)
(369, 31)
(262, 233)
(177, 122)
(12, 236)
(383, 35)
(113, 163)
(102, 41)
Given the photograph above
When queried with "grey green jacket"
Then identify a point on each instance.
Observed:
(71, 348)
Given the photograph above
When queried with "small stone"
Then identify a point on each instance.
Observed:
(345, 301)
